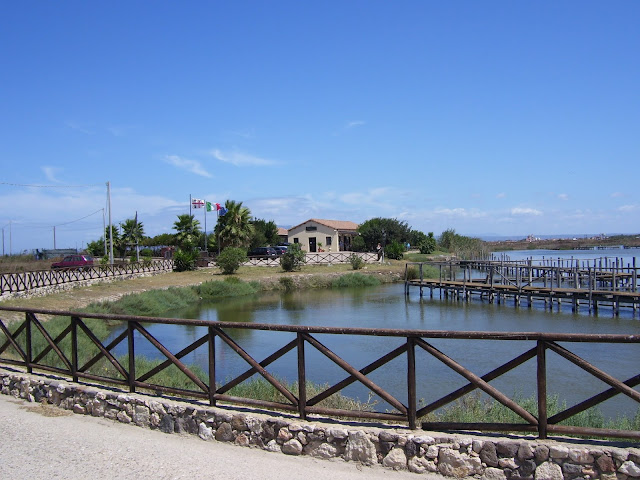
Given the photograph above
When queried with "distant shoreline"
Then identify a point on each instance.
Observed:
(565, 243)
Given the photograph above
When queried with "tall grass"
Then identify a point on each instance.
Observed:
(354, 280)
(428, 271)
(476, 408)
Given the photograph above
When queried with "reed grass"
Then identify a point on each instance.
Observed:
(474, 408)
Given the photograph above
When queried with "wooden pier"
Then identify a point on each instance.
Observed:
(610, 285)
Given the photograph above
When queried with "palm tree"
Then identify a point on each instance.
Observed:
(188, 230)
(234, 228)
(132, 233)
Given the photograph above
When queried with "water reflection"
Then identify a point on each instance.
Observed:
(387, 307)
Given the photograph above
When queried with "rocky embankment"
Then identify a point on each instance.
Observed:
(459, 456)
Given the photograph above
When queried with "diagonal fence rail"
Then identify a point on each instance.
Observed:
(24, 281)
(32, 343)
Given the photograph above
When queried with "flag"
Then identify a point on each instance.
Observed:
(197, 203)
(223, 211)
(218, 206)
(210, 206)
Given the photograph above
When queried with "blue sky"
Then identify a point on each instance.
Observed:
(493, 117)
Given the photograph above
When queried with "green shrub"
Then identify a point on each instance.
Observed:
(184, 260)
(394, 250)
(230, 287)
(230, 259)
(356, 261)
(428, 244)
(293, 258)
(287, 283)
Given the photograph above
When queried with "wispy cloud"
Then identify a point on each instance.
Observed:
(501, 195)
(460, 212)
(617, 195)
(79, 128)
(246, 134)
(519, 211)
(120, 130)
(629, 208)
(563, 196)
(372, 196)
(354, 124)
(192, 166)
(240, 159)
(50, 173)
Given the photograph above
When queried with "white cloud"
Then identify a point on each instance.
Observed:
(192, 166)
(525, 211)
(353, 124)
(240, 159)
(628, 208)
(373, 196)
(50, 173)
(501, 195)
(563, 196)
(617, 195)
(460, 212)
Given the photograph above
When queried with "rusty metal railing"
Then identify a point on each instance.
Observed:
(17, 347)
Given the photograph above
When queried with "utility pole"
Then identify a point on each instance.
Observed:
(54, 237)
(110, 225)
(104, 233)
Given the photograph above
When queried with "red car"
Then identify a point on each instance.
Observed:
(74, 261)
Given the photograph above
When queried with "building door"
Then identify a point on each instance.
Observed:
(312, 244)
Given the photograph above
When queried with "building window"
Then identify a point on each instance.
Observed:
(311, 229)
(295, 240)
(328, 242)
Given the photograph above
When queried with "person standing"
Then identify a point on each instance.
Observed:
(379, 251)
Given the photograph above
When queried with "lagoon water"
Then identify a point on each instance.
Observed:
(387, 307)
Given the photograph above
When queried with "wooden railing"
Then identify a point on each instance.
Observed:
(59, 353)
(316, 258)
(24, 281)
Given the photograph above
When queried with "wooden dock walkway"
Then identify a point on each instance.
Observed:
(552, 284)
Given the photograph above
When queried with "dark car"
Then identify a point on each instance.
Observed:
(280, 249)
(263, 252)
(74, 261)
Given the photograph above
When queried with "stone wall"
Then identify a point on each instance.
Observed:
(489, 458)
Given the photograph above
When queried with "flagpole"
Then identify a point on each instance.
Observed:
(189, 204)
(205, 225)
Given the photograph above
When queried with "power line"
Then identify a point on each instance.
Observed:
(78, 219)
(49, 186)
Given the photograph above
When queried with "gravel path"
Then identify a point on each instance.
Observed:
(44, 442)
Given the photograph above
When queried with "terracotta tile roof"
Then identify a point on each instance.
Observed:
(335, 224)
(282, 231)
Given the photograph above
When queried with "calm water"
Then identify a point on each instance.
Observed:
(387, 307)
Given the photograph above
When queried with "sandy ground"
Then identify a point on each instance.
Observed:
(44, 442)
